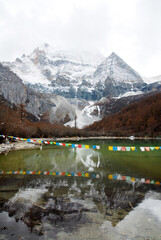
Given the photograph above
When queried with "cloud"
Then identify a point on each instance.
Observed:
(129, 28)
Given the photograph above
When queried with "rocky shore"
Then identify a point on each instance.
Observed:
(7, 147)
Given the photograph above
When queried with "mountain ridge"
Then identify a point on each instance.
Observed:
(69, 75)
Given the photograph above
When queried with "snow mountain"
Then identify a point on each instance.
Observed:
(72, 75)
(70, 87)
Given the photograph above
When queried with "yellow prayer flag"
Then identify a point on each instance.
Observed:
(133, 148)
(87, 146)
(86, 175)
(110, 148)
(157, 148)
(110, 176)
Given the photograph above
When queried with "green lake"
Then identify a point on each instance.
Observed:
(76, 207)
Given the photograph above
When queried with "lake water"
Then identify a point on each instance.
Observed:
(92, 206)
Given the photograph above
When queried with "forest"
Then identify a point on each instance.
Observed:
(139, 119)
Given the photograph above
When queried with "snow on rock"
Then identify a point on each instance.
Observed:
(77, 74)
(116, 68)
(85, 117)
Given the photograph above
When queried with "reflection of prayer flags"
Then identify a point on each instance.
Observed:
(123, 177)
(128, 178)
(86, 175)
(158, 183)
(94, 146)
(152, 148)
(152, 182)
(123, 149)
(128, 149)
(115, 148)
(97, 147)
(142, 149)
(147, 149)
(110, 148)
(142, 180)
(119, 177)
(147, 181)
(87, 146)
(110, 176)
(73, 145)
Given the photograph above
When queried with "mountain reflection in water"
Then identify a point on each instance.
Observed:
(62, 207)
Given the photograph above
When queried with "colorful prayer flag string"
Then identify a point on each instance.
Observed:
(85, 175)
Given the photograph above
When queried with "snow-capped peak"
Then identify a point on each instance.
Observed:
(117, 69)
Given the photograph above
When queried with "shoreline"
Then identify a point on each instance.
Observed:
(22, 145)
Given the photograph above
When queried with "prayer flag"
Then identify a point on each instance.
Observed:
(142, 149)
(110, 148)
(123, 149)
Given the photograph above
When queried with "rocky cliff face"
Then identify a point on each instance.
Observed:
(15, 91)
(116, 77)
(71, 75)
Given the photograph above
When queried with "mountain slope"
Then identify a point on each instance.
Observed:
(117, 77)
(40, 105)
(74, 75)
(137, 119)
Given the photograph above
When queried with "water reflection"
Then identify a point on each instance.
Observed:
(62, 207)
(52, 205)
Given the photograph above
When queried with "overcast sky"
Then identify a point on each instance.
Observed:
(130, 28)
